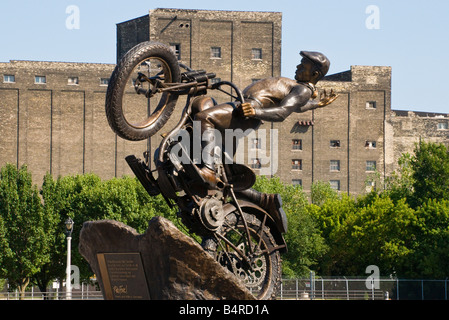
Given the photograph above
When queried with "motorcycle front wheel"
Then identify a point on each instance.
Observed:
(134, 108)
(261, 272)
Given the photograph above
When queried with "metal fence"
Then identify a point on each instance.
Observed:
(363, 289)
(313, 288)
(84, 292)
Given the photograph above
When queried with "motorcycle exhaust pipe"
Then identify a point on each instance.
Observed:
(143, 175)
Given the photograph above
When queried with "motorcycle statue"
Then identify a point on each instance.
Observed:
(239, 234)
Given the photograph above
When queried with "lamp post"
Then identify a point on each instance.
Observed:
(69, 228)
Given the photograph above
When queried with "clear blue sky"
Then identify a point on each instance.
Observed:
(412, 37)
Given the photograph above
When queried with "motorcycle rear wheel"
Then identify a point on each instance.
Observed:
(134, 116)
(263, 276)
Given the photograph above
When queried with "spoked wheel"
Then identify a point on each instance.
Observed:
(135, 108)
(260, 270)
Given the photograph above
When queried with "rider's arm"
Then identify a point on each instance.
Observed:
(310, 105)
(325, 100)
(293, 102)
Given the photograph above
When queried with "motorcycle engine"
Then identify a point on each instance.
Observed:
(211, 213)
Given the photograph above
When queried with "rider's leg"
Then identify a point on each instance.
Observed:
(202, 103)
(222, 117)
(217, 117)
(271, 203)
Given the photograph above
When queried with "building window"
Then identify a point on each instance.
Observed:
(104, 81)
(371, 105)
(371, 166)
(370, 144)
(9, 78)
(335, 165)
(335, 184)
(335, 144)
(442, 126)
(40, 79)
(215, 52)
(296, 144)
(255, 163)
(255, 143)
(297, 182)
(296, 164)
(256, 54)
(73, 81)
(176, 48)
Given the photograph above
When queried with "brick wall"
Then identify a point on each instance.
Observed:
(58, 127)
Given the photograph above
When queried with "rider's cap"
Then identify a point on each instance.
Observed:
(320, 61)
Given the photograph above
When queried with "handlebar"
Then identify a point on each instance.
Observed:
(197, 75)
(193, 82)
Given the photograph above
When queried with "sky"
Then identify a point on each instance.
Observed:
(409, 36)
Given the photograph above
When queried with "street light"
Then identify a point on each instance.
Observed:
(69, 228)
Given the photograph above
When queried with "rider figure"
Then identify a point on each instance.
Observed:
(271, 99)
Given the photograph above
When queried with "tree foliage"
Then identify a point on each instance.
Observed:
(25, 231)
(366, 231)
(432, 240)
(88, 198)
(403, 228)
(430, 172)
(305, 244)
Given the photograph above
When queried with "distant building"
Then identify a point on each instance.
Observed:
(52, 119)
(411, 127)
(239, 46)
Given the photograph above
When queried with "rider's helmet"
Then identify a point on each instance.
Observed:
(319, 60)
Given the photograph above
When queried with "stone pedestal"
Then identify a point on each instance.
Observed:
(162, 264)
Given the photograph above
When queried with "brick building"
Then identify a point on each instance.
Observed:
(410, 127)
(53, 115)
(238, 46)
(52, 119)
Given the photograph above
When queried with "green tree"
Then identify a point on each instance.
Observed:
(331, 218)
(54, 199)
(322, 192)
(305, 245)
(370, 230)
(23, 228)
(400, 184)
(383, 234)
(88, 198)
(432, 241)
(430, 172)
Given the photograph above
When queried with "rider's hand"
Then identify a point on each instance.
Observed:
(326, 99)
(247, 110)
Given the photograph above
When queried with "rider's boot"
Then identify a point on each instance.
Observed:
(271, 203)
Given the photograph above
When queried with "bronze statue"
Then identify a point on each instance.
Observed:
(240, 227)
(271, 99)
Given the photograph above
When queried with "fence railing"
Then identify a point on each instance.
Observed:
(51, 295)
(83, 292)
(313, 288)
(363, 289)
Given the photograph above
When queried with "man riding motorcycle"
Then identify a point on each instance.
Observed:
(271, 99)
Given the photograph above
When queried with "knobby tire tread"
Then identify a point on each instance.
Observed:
(117, 84)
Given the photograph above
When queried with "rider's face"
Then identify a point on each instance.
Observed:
(305, 71)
